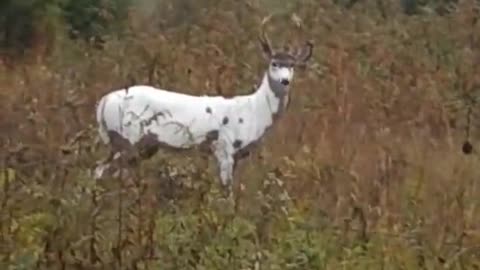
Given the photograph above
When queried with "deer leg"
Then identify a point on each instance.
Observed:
(104, 165)
(225, 163)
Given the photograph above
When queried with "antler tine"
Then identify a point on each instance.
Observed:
(263, 35)
(294, 51)
(289, 49)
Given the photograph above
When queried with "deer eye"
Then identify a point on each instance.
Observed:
(274, 64)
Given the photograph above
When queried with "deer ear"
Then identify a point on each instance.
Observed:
(305, 53)
(266, 49)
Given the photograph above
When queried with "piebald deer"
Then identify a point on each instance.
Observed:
(138, 121)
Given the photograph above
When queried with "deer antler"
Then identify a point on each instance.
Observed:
(263, 38)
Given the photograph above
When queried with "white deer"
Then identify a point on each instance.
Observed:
(142, 119)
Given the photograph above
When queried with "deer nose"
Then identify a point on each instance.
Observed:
(284, 81)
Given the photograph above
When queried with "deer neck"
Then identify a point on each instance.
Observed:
(272, 99)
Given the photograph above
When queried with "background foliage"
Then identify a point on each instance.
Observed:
(366, 170)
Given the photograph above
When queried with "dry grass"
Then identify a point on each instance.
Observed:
(364, 172)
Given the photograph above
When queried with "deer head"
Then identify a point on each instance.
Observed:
(282, 62)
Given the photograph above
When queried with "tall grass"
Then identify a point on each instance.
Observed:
(364, 172)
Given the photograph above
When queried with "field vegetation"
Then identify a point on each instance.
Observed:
(365, 171)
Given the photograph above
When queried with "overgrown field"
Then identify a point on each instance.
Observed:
(365, 171)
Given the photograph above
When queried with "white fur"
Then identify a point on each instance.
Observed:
(182, 121)
(279, 73)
